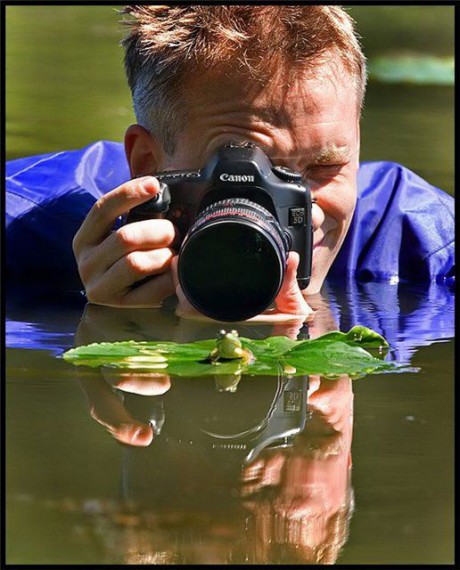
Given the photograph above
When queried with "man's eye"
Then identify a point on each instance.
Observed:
(323, 170)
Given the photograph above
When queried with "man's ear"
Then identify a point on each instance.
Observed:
(143, 152)
(358, 148)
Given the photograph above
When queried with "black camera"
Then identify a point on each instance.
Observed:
(239, 217)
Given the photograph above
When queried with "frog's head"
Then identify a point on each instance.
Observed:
(228, 344)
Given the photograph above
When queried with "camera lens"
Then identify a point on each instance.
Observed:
(232, 261)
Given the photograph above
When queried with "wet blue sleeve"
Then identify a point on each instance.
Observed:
(47, 199)
(402, 230)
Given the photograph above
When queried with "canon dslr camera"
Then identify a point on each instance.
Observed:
(240, 216)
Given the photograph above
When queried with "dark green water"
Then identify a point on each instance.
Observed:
(77, 496)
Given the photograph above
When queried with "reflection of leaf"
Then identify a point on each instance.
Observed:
(421, 69)
(332, 354)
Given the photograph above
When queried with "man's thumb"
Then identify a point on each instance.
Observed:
(290, 299)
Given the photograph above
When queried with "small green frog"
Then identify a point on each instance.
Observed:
(229, 347)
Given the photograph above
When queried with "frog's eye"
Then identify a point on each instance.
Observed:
(234, 332)
(221, 333)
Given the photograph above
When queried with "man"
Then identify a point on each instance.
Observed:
(290, 79)
(202, 76)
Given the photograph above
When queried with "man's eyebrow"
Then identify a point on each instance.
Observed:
(330, 154)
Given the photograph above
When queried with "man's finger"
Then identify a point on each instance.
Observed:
(138, 236)
(106, 210)
(152, 293)
(118, 280)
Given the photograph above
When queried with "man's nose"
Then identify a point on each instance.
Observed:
(317, 216)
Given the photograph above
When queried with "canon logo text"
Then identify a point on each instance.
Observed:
(236, 177)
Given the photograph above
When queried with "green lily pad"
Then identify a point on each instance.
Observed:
(360, 351)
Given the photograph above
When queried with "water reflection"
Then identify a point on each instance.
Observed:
(295, 492)
(300, 497)
(407, 315)
(183, 499)
(272, 458)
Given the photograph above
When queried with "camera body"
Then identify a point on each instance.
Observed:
(240, 185)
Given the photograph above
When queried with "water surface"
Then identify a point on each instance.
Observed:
(182, 498)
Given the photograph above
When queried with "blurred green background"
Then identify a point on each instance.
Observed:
(65, 83)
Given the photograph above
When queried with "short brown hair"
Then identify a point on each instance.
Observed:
(166, 43)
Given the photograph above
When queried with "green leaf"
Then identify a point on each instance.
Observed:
(335, 358)
(332, 354)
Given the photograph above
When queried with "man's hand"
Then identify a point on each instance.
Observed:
(111, 262)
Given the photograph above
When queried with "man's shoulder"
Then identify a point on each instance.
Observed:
(399, 195)
(47, 198)
(95, 169)
(402, 228)
(386, 178)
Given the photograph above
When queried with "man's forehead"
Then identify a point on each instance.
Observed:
(274, 98)
(309, 119)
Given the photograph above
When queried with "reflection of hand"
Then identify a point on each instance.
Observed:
(291, 305)
(265, 472)
(107, 408)
(320, 322)
(330, 403)
(327, 434)
(110, 263)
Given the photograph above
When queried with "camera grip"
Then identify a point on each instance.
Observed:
(156, 208)
(305, 262)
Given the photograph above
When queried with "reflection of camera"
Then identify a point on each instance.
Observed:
(240, 216)
(284, 419)
(264, 412)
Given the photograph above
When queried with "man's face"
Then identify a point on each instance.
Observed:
(310, 124)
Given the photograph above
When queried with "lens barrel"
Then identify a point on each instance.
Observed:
(232, 260)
